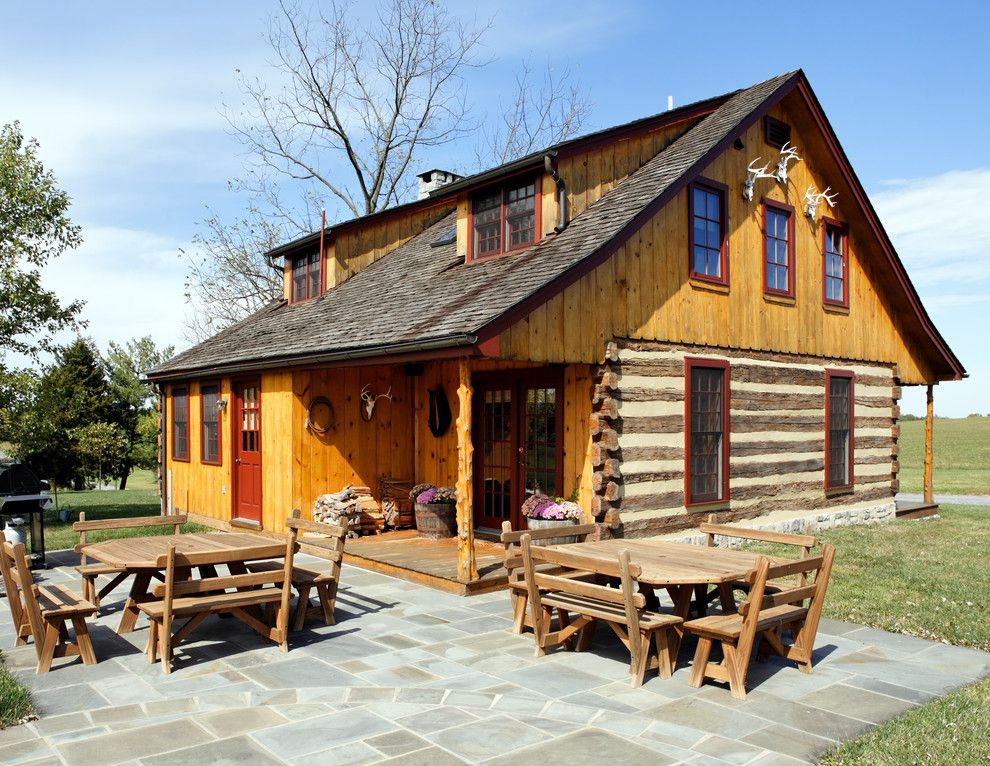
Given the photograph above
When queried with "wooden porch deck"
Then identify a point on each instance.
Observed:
(429, 562)
(915, 510)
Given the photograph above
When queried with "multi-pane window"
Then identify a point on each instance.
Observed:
(180, 423)
(503, 219)
(306, 276)
(778, 249)
(839, 418)
(210, 419)
(708, 247)
(707, 431)
(836, 265)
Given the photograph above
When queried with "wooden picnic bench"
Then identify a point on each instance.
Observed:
(140, 556)
(622, 609)
(90, 571)
(248, 596)
(42, 611)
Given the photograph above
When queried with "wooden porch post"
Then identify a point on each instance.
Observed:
(929, 417)
(467, 569)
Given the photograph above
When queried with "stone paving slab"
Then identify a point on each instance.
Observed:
(410, 676)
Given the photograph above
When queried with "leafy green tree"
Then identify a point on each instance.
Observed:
(72, 393)
(102, 449)
(134, 400)
(34, 228)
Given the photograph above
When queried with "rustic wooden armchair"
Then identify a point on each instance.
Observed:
(43, 611)
(90, 572)
(622, 609)
(514, 564)
(724, 593)
(767, 615)
(324, 578)
(245, 595)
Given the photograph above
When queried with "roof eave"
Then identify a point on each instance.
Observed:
(387, 352)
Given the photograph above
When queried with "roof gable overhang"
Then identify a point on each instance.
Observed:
(796, 82)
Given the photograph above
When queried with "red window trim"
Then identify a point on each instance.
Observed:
(851, 376)
(832, 223)
(791, 259)
(690, 362)
(202, 430)
(720, 189)
(502, 186)
(292, 282)
(175, 456)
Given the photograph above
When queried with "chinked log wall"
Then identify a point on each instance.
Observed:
(777, 436)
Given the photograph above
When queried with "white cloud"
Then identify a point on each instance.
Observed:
(131, 281)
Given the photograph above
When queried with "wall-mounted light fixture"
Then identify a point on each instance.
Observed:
(221, 405)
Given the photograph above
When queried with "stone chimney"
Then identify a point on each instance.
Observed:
(434, 179)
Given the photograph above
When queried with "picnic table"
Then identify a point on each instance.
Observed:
(678, 568)
(140, 556)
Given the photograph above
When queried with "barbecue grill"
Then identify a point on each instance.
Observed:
(23, 495)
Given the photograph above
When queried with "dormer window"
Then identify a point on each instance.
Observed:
(305, 276)
(504, 219)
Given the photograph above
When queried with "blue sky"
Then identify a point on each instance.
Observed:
(125, 100)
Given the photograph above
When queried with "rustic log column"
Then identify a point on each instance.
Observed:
(929, 417)
(467, 569)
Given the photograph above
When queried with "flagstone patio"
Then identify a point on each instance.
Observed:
(412, 675)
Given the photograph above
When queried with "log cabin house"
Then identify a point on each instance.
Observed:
(637, 318)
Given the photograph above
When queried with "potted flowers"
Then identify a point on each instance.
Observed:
(436, 511)
(542, 512)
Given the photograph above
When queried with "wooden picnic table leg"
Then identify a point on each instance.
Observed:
(138, 593)
(681, 596)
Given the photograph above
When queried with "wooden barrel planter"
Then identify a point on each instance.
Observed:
(551, 524)
(436, 521)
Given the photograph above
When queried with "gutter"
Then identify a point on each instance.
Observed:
(392, 349)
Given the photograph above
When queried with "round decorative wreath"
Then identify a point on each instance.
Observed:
(331, 420)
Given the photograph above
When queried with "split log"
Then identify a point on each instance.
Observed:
(608, 408)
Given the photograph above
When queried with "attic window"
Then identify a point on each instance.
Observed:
(305, 276)
(504, 219)
(776, 132)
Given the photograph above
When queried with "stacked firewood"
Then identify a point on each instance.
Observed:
(396, 506)
(347, 508)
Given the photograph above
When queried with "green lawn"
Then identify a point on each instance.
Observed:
(15, 703)
(961, 449)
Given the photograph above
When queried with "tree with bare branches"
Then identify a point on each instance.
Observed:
(543, 111)
(352, 105)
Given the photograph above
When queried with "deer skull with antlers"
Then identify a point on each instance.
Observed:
(369, 399)
(812, 198)
(752, 175)
(788, 154)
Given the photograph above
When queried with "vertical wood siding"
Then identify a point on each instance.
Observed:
(644, 291)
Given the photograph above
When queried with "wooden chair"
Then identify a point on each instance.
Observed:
(768, 615)
(90, 572)
(325, 579)
(42, 611)
(514, 564)
(724, 592)
(242, 594)
(622, 608)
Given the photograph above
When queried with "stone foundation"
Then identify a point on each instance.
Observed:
(810, 522)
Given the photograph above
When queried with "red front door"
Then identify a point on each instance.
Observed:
(518, 447)
(246, 495)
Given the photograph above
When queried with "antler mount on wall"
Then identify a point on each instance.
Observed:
(369, 399)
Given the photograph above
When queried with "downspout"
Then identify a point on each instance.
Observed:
(548, 165)
(163, 479)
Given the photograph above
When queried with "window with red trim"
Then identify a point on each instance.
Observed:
(778, 249)
(504, 219)
(709, 250)
(836, 265)
(306, 276)
(706, 470)
(210, 422)
(840, 420)
(180, 423)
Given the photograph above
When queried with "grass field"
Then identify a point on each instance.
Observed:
(962, 456)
